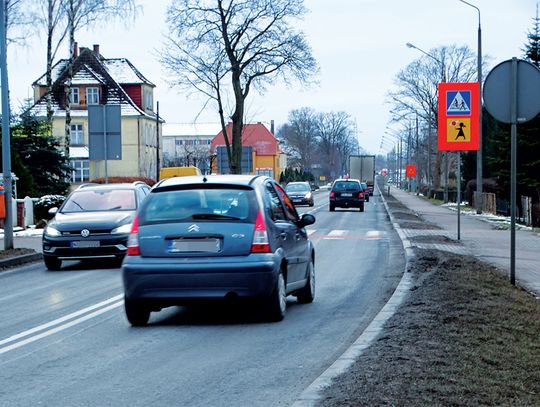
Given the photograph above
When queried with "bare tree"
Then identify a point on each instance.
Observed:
(299, 136)
(415, 93)
(86, 13)
(252, 43)
(19, 19)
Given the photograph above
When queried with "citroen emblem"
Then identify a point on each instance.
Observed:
(85, 233)
(193, 228)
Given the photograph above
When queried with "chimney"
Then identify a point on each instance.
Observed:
(272, 126)
(75, 50)
(96, 48)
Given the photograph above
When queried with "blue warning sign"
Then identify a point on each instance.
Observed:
(458, 103)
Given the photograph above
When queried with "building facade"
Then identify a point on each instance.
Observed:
(103, 81)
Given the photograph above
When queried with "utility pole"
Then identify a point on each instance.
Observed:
(157, 142)
(6, 142)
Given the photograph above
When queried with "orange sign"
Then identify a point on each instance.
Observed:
(410, 170)
(459, 109)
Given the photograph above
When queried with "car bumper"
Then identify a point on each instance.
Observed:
(62, 247)
(163, 280)
(301, 201)
(347, 203)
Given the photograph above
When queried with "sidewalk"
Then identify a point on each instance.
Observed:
(480, 239)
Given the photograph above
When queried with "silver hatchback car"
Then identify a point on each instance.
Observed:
(204, 238)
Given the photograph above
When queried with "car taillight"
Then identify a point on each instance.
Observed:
(332, 194)
(360, 194)
(260, 242)
(133, 248)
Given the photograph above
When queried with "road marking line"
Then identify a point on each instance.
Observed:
(60, 328)
(336, 234)
(59, 320)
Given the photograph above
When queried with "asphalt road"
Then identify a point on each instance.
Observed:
(64, 339)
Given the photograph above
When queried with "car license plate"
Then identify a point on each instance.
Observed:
(84, 244)
(194, 245)
(296, 200)
(346, 194)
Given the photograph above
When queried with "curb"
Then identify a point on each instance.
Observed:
(311, 395)
(22, 259)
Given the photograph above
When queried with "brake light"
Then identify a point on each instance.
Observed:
(360, 194)
(260, 242)
(332, 194)
(133, 248)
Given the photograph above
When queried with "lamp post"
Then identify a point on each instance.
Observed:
(399, 151)
(443, 76)
(479, 191)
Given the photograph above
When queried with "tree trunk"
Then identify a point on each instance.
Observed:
(237, 125)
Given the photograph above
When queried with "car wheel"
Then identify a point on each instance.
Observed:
(332, 208)
(362, 207)
(52, 263)
(311, 203)
(117, 262)
(277, 304)
(307, 294)
(136, 312)
(367, 198)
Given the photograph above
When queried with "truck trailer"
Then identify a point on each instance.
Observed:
(362, 167)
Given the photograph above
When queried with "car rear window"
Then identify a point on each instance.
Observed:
(200, 204)
(346, 186)
(100, 200)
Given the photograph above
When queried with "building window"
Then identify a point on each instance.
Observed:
(74, 96)
(148, 98)
(76, 135)
(80, 170)
(92, 96)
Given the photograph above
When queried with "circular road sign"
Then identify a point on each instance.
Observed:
(498, 91)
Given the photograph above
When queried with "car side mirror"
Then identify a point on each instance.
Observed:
(51, 212)
(305, 220)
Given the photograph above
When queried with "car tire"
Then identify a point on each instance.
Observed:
(367, 198)
(311, 203)
(332, 208)
(117, 262)
(136, 312)
(52, 263)
(277, 303)
(362, 207)
(307, 294)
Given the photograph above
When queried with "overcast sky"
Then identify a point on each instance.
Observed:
(359, 45)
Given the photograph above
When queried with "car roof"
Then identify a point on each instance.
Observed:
(298, 182)
(122, 185)
(347, 179)
(230, 179)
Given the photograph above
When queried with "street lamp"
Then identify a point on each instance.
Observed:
(443, 75)
(478, 200)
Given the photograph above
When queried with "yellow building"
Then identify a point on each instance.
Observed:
(103, 81)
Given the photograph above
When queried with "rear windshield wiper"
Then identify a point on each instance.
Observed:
(213, 216)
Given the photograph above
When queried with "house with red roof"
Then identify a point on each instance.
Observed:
(261, 153)
(103, 81)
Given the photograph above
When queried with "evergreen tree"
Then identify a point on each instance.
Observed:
(532, 48)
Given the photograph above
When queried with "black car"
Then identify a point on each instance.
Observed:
(366, 191)
(347, 193)
(93, 222)
(212, 238)
(300, 193)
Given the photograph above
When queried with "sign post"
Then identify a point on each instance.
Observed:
(459, 110)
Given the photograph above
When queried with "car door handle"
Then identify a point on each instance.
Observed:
(283, 235)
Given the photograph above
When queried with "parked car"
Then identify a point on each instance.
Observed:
(346, 193)
(367, 191)
(300, 193)
(93, 222)
(215, 238)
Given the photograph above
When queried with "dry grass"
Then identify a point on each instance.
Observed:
(463, 337)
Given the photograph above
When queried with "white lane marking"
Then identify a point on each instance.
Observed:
(62, 319)
(60, 328)
(311, 231)
(336, 234)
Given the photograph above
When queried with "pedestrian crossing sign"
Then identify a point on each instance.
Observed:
(458, 103)
(458, 114)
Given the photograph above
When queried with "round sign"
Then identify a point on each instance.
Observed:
(499, 90)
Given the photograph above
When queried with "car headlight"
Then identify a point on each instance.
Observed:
(124, 229)
(308, 195)
(52, 232)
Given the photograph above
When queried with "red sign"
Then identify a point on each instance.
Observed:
(459, 109)
(410, 170)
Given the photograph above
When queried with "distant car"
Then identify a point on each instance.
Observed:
(93, 222)
(300, 193)
(314, 187)
(346, 193)
(367, 192)
(215, 238)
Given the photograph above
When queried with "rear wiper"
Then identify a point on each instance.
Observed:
(213, 216)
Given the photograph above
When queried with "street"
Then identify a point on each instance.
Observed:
(65, 341)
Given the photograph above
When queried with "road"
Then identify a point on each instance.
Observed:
(64, 339)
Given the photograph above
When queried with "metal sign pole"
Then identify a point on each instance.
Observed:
(458, 195)
(513, 170)
(105, 141)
